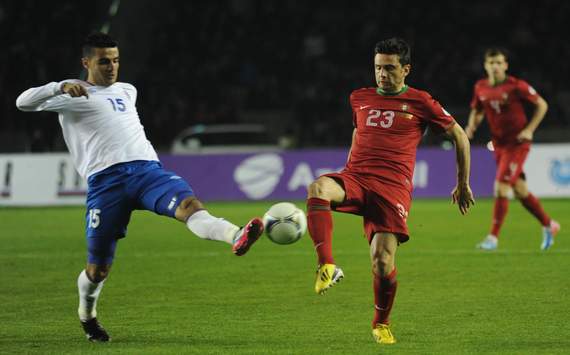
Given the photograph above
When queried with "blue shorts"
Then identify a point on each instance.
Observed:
(118, 190)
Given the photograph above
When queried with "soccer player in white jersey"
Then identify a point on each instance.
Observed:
(108, 145)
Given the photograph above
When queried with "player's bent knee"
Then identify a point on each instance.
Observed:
(318, 188)
(382, 262)
(97, 273)
(502, 189)
(520, 190)
(187, 207)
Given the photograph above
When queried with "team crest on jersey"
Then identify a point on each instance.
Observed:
(404, 107)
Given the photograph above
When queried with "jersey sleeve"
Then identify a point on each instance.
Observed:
(438, 118)
(526, 92)
(44, 98)
(475, 102)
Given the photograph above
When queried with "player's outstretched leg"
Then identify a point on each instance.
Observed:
(94, 331)
(205, 226)
(247, 235)
(548, 234)
(328, 275)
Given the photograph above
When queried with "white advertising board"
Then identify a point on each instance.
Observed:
(51, 179)
(39, 180)
(548, 170)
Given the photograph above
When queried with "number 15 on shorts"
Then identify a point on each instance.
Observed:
(94, 218)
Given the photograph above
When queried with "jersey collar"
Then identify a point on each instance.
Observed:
(384, 93)
(497, 83)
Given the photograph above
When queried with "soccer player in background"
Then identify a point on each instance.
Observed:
(500, 98)
(376, 183)
(109, 147)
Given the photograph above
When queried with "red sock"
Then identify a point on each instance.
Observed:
(499, 213)
(320, 223)
(384, 294)
(532, 204)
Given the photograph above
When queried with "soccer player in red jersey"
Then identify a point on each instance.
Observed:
(500, 98)
(376, 183)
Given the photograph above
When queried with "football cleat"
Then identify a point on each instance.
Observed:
(246, 236)
(94, 331)
(548, 234)
(327, 276)
(489, 243)
(383, 335)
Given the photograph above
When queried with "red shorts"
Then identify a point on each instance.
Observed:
(510, 161)
(384, 207)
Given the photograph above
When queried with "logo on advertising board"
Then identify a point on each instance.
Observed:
(560, 171)
(69, 182)
(258, 176)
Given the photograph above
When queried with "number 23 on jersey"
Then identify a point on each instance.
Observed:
(376, 118)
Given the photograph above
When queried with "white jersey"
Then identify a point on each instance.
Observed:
(99, 131)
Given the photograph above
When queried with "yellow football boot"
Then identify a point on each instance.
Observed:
(383, 335)
(327, 276)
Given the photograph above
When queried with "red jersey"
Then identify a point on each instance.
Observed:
(503, 107)
(388, 131)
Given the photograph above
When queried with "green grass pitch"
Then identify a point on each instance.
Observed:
(172, 293)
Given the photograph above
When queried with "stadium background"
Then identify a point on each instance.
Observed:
(290, 65)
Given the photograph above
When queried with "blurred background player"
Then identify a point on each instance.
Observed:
(109, 147)
(500, 98)
(377, 181)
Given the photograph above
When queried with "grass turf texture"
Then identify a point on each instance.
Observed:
(172, 293)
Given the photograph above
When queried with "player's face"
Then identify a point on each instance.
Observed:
(496, 66)
(390, 74)
(102, 66)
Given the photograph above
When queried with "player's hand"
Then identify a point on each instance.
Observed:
(463, 197)
(525, 135)
(74, 90)
(469, 132)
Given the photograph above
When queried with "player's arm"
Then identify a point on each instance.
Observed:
(351, 144)
(541, 106)
(49, 97)
(461, 194)
(476, 116)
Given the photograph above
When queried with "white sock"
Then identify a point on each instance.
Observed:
(88, 295)
(206, 226)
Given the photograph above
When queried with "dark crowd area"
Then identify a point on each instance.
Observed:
(289, 64)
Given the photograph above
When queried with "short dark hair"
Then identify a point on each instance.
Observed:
(397, 46)
(97, 40)
(495, 51)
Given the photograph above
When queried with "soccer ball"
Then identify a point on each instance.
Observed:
(285, 223)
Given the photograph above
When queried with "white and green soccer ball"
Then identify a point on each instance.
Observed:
(285, 223)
